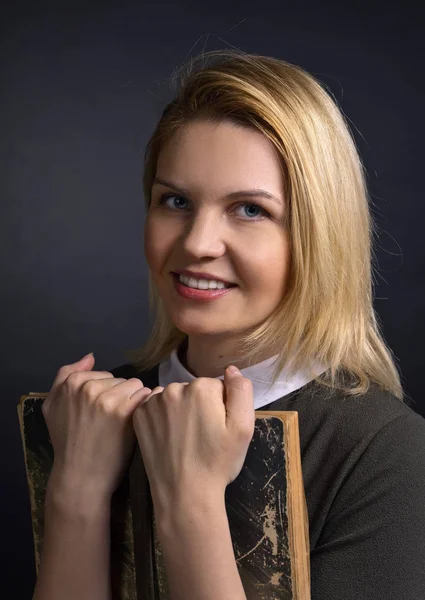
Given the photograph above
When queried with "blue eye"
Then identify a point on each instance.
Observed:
(163, 199)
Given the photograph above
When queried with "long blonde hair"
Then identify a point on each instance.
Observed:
(326, 314)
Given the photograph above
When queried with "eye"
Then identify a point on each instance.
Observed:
(163, 199)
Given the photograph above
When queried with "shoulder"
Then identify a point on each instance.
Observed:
(354, 445)
(364, 465)
(353, 419)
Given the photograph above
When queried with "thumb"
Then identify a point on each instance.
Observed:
(239, 401)
(84, 364)
(87, 361)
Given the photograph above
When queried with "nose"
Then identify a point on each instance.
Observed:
(204, 235)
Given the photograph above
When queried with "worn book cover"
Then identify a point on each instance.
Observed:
(265, 506)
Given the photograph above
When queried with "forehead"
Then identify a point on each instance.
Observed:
(221, 157)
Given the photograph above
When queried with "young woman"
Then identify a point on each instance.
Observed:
(253, 189)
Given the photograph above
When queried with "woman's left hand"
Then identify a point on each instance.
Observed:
(194, 436)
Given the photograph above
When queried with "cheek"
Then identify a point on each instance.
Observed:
(149, 243)
(158, 240)
(267, 264)
(280, 267)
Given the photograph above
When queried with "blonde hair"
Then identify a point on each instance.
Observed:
(326, 314)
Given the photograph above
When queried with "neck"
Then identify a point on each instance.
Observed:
(204, 358)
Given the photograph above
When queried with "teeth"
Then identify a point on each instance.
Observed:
(202, 284)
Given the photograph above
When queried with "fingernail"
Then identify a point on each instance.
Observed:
(233, 369)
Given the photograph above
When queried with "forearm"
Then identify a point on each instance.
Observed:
(198, 552)
(76, 545)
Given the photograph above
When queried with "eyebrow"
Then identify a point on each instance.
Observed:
(242, 193)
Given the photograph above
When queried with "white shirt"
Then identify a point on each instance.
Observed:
(172, 370)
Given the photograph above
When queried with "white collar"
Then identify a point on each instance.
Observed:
(172, 370)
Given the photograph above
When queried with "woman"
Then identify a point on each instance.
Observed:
(246, 134)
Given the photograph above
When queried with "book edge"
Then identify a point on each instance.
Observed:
(299, 539)
(30, 487)
(297, 513)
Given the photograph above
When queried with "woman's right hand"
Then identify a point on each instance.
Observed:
(89, 418)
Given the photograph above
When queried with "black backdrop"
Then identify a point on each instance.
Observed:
(82, 85)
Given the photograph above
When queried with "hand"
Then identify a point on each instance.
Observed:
(89, 418)
(195, 436)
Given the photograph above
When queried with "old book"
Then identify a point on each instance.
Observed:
(265, 506)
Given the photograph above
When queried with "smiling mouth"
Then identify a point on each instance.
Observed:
(227, 285)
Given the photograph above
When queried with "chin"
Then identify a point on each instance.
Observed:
(202, 326)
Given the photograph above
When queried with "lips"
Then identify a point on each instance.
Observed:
(196, 294)
(227, 284)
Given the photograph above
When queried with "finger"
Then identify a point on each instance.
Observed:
(239, 400)
(136, 399)
(79, 377)
(122, 402)
(101, 381)
(84, 364)
(141, 399)
(156, 391)
(125, 393)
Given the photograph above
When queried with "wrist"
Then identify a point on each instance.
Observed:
(73, 497)
(197, 550)
(188, 510)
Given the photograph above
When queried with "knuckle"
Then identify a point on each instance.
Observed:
(174, 386)
(64, 369)
(173, 390)
(135, 380)
(121, 410)
(157, 394)
(199, 382)
(107, 404)
(219, 384)
(205, 388)
(90, 389)
(72, 378)
(245, 385)
(199, 386)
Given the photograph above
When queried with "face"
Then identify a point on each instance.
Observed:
(199, 226)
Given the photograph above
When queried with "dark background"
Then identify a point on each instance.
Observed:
(82, 86)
